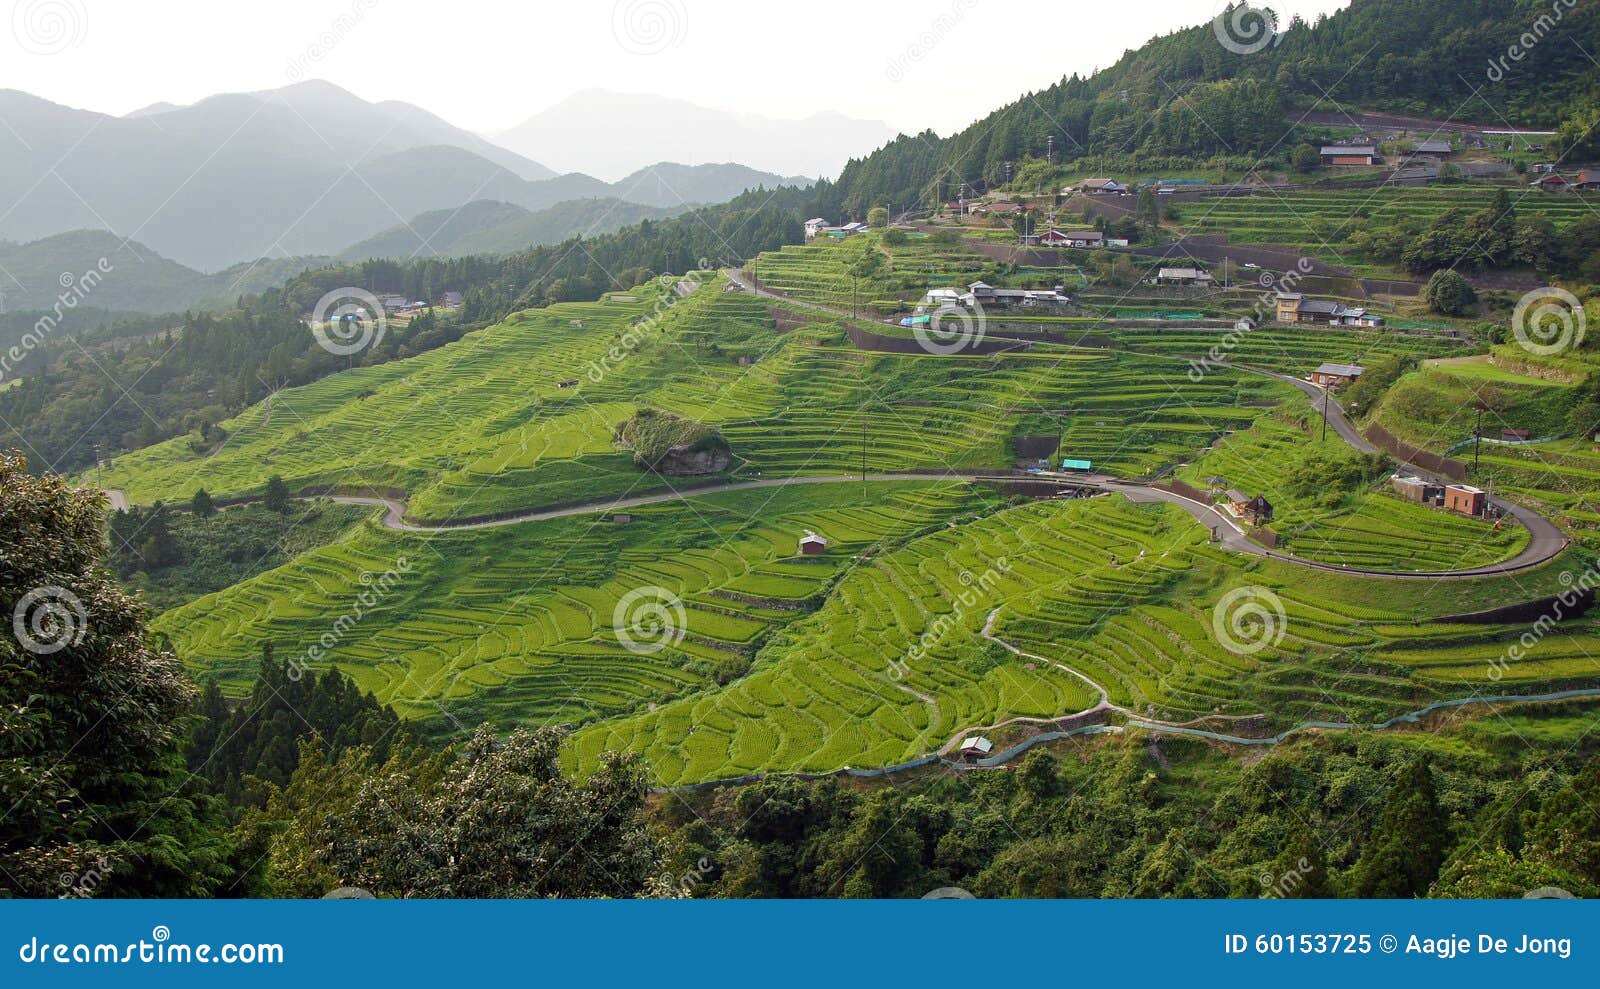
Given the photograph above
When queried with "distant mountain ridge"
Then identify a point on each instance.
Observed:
(487, 227)
(605, 133)
(302, 171)
(138, 280)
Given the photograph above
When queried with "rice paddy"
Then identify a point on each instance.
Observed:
(873, 651)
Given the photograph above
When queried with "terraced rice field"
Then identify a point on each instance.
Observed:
(1284, 216)
(894, 665)
(1369, 528)
(1323, 221)
(487, 426)
(516, 624)
(819, 272)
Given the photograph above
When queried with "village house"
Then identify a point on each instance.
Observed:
(449, 300)
(1433, 149)
(814, 226)
(1515, 435)
(1465, 498)
(1335, 376)
(982, 293)
(812, 544)
(1257, 510)
(1073, 238)
(1334, 154)
(1587, 180)
(1185, 276)
(1294, 307)
(993, 209)
(1415, 489)
(975, 748)
(1096, 187)
(1550, 183)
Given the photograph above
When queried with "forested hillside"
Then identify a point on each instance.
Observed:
(1185, 94)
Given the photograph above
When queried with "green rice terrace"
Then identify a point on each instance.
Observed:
(1333, 223)
(934, 607)
(1437, 408)
(525, 414)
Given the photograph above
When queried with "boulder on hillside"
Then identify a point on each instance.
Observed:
(672, 445)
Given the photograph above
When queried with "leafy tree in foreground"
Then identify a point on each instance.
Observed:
(202, 505)
(1405, 853)
(500, 821)
(91, 717)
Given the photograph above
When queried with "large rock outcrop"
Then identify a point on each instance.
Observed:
(672, 445)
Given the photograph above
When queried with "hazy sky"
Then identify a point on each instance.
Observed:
(487, 65)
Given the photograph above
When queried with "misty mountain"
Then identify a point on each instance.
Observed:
(134, 277)
(306, 170)
(488, 227)
(612, 134)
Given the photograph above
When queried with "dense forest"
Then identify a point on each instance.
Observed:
(130, 383)
(1185, 94)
